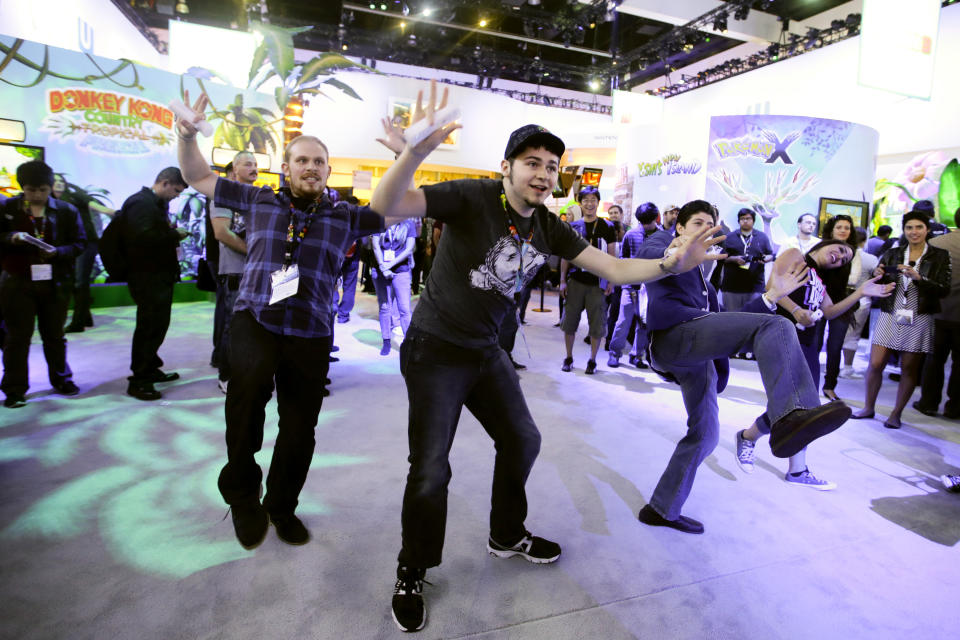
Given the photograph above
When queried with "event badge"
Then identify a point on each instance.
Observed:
(41, 272)
(903, 316)
(284, 283)
(389, 255)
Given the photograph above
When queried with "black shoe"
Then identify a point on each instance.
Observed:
(385, 349)
(517, 365)
(159, 376)
(334, 359)
(648, 515)
(567, 364)
(894, 376)
(334, 349)
(530, 548)
(290, 529)
(586, 339)
(73, 328)
(327, 381)
(638, 362)
(325, 392)
(591, 367)
(791, 433)
(14, 401)
(250, 522)
(924, 410)
(67, 388)
(409, 611)
(143, 390)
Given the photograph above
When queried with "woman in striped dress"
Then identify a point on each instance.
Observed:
(922, 276)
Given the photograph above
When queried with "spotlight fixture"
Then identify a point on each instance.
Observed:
(483, 22)
(720, 22)
(182, 7)
(742, 11)
(594, 84)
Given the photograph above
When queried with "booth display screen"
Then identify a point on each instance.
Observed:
(859, 211)
(12, 155)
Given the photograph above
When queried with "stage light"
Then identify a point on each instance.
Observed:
(182, 7)
(742, 11)
(427, 11)
(594, 84)
(720, 22)
(344, 47)
(483, 22)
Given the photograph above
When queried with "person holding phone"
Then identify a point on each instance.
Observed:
(922, 276)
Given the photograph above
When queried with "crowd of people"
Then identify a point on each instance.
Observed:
(287, 274)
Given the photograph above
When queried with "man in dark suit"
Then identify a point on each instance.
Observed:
(691, 342)
(40, 238)
(150, 244)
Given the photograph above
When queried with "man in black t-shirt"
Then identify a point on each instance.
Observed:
(497, 233)
(582, 289)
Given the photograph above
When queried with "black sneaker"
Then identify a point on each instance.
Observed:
(791, 433)
(142, 390)
(161, 376)
(250, 522)
(409, 612)
(530, 548)
(290, 529)
(567, 364)
(67, 388)
(14, 401)
(591, 367)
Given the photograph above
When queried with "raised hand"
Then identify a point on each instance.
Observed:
(427, 112)
(187, 128)
(875, 290)
(693, 250)
(780, 285)
(393, 136)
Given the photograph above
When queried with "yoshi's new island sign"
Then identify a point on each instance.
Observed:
(108, 123)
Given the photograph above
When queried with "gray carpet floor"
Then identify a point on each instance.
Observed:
(111, 525)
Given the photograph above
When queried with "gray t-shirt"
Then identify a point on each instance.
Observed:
(474, 275)
(231, 261)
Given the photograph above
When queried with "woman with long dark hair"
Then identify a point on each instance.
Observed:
(921, 274)
(838, 283)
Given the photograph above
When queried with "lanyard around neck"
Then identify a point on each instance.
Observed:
(294, 237)
(521, 242)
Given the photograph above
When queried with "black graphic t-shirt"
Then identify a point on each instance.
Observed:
(474, 274)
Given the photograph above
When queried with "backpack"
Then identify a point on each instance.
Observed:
(112, 252)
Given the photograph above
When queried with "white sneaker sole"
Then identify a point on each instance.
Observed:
(818, 487)
(509, 553)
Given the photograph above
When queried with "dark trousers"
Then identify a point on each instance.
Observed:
(946, 342)
(228, 288)
(441, 379)
(811, 345)
(836, 332)
(22, 301)
(613, 311)
(299, 366)
(349, 272)
(81, 286)
(153, 295)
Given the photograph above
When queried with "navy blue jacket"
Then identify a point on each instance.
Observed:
(684, 297)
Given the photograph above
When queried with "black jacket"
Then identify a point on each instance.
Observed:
(68, 237)
(934, 280)
(149, 241)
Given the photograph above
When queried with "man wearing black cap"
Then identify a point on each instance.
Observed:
(497, 234)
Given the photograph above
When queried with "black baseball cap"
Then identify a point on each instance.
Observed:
(533, 135)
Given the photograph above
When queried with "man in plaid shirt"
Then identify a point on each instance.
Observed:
(281, 328)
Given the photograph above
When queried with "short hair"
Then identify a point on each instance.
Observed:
(804, 215)
(832, 222)
(647, 213)
(746, 212)
(588, 190)
(925, 207)
(301, 138)
(171, 175)
(241, 154)
(861, 234)
(694, 207)
(35, 173)
(617, 207)
(884, 230)
(916, 215)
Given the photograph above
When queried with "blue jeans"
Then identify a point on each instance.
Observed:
(629, 308)
(390, 292)
(348, 272)
(441, 379)
(688, 350)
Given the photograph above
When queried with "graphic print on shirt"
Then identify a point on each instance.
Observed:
(814, 292)
(499, 269)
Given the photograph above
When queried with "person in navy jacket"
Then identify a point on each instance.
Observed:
(692, 342)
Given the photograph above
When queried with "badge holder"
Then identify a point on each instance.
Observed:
(284, 283)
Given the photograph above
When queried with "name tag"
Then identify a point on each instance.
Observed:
(389, 255)
(41, 272)
(284, 283)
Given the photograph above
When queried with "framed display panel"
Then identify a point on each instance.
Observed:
(856, 209)
(12, 155)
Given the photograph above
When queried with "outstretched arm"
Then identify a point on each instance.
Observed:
(194, 168)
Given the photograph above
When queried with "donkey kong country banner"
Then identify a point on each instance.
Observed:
(780, 166)
(106, 126)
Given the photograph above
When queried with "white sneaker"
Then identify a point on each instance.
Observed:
(222, 385)
(746, 453)
(807, 479)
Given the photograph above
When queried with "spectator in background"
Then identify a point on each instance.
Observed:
(861, 270)
(838, 284)
(615, 216)
(946, 342)
(876, 243)
(150, 244)
(391, 276)
(35, 281)
(748, 250)
(806, 236)
(905, 324)
(348, 276)
(669, 222)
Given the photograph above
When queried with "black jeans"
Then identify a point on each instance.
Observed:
(81, 291)
(228, 289)
(836, 332)
(22, 301)
(153, 295)
(946, 340)
(299, 366)
(441, 379)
